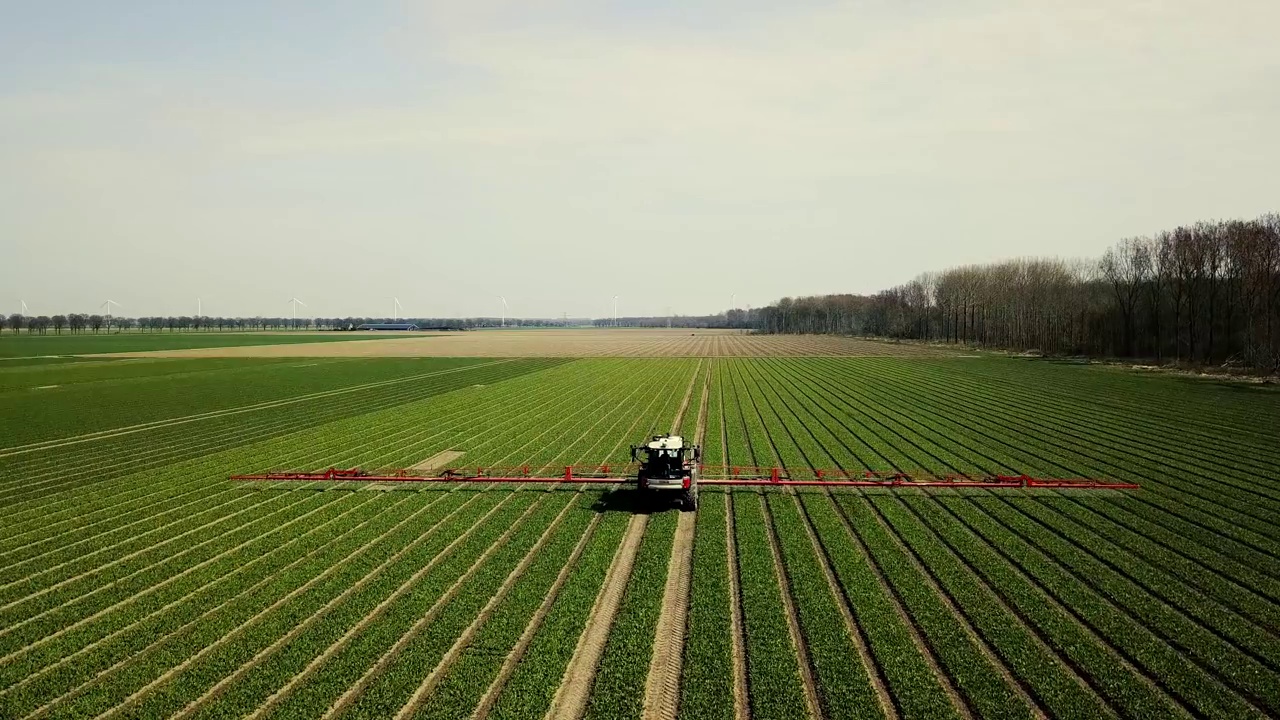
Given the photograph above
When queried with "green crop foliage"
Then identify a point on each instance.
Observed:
(25, 345)
(532, 686)
(772, 670)
(135, 579)
(620, 678)
(708, 652)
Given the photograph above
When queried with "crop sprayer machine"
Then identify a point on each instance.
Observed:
(667, 465)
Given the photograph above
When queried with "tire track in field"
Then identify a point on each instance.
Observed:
(130, 429)
(571, 696)
(662, 686)
(352, 695)
(684, 404)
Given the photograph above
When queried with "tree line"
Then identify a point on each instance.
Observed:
(1202, 293)
(82, 322)
(735, 318)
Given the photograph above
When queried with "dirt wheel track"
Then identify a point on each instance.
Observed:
(662, 688)
(684, 404)
(571, 697)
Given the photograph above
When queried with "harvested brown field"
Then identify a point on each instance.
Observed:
(575, 343)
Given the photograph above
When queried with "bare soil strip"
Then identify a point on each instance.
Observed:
(522, 645)
(793, 621)
(741, 708)
(684, 404)
(662, 688)
(141, 427)
(851, 624)
(438, 461)
(429, 683)
(571, 697)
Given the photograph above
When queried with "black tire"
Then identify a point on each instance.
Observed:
(690, 500)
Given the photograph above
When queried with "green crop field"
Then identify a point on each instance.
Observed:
(15, 347)
(137, 581)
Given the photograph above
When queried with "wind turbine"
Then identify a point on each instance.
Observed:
(108, 305)
(615, 311)
(504, 310)
(24, 307)
(396, 309)
(296, 302)
(199, 308)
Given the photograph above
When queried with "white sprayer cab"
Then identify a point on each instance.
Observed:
(666, 463)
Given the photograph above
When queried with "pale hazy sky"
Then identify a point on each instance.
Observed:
(561, 152)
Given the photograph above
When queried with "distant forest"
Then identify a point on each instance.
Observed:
(84, 322)
(1205, 293)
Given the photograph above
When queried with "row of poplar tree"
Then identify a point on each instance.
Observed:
(1204, 293)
